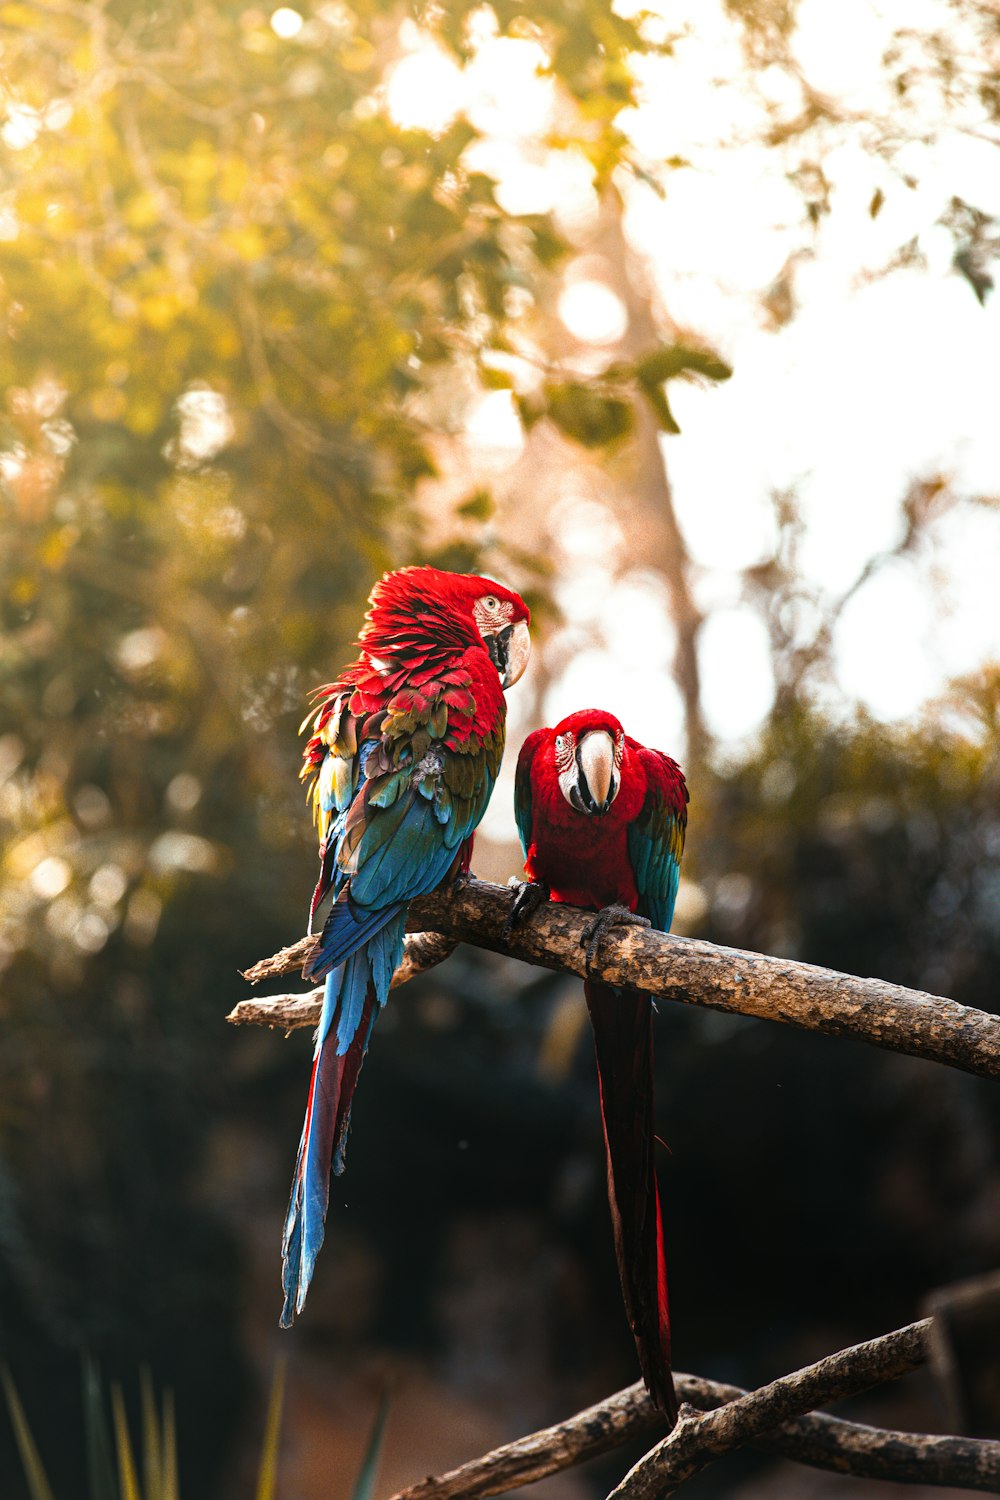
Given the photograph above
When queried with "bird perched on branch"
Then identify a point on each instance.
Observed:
(602, 822)
(405, 750)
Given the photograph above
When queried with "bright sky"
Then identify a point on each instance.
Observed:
(873, 383)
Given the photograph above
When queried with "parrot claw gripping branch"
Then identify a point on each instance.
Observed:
(607, 918)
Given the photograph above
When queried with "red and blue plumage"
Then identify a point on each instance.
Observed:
(602, 822)
(404, 754)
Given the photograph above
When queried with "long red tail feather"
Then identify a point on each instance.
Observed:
(623, 1040)
(322, 1147)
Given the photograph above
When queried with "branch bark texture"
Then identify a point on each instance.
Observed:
(817, 1439)
(423, 950)
(694, 972)
(699, 1437)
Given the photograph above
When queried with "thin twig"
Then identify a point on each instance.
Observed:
(423, 951)
(290, 960)
(819, 1440)
(698, 973)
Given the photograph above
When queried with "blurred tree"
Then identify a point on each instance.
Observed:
(241, 303)
(929, 99)
(227, 276)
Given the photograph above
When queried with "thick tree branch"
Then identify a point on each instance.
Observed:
(822, 1441)
(697, 973)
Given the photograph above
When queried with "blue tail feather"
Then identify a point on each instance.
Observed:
(347, 927)
(354, 993)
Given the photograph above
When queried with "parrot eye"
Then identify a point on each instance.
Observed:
(490, 601)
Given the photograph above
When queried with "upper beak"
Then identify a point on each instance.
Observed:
(509, 651)
(596, 756)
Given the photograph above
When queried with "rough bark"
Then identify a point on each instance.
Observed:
(423, 950)
(698, 1438)
(696, 973)
(822, 1441)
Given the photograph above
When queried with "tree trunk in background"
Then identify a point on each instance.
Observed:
(631, 481)
(647, 478)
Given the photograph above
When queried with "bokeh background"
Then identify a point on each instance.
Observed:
(677, 318)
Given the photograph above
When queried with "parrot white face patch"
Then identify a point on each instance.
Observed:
(567, 770)
(492, 614)
(589, 773)
(565, 753)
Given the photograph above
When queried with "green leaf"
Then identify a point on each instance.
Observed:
(663, 364)
(530, 409)
(128, 1479)
(494, 379)
(152, 1447)
(679, 359)
(704, 362)
(100, 1465)
(479, 506)
(364, 1485)
(171, 1488)
(267, 1477)
(665, 419)
(38, 1484)
(587, 416)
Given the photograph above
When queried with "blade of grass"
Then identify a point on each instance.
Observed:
(152, 1449)
(100, 1468)
(267, 1478)
(364, 1485)
(128, 1479)
(38, 1484)
(171, 1489)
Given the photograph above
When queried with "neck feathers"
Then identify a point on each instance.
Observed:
(410, 623)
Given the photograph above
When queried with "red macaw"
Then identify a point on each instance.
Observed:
(404, 753)
(602, 822)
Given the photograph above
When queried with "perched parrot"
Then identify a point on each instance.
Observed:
(404, 753)
(602, 822)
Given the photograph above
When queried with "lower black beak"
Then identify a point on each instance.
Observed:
(498, 646)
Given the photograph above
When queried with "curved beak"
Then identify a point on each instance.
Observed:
(595, 755)
(509, 651)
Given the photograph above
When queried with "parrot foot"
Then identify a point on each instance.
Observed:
(614, 915)
(527, 898)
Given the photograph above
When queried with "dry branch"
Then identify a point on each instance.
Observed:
(289, 960)
(423, 951)
(698, 1438)
(822, 1441)
(697, 973)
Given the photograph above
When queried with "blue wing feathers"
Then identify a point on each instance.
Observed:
(403, 846)
(522, 787)
(347, 926)
(655, 842)
(357, 972)
(385, 953)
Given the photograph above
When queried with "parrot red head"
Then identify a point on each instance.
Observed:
(588, 748)
(420, 604)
